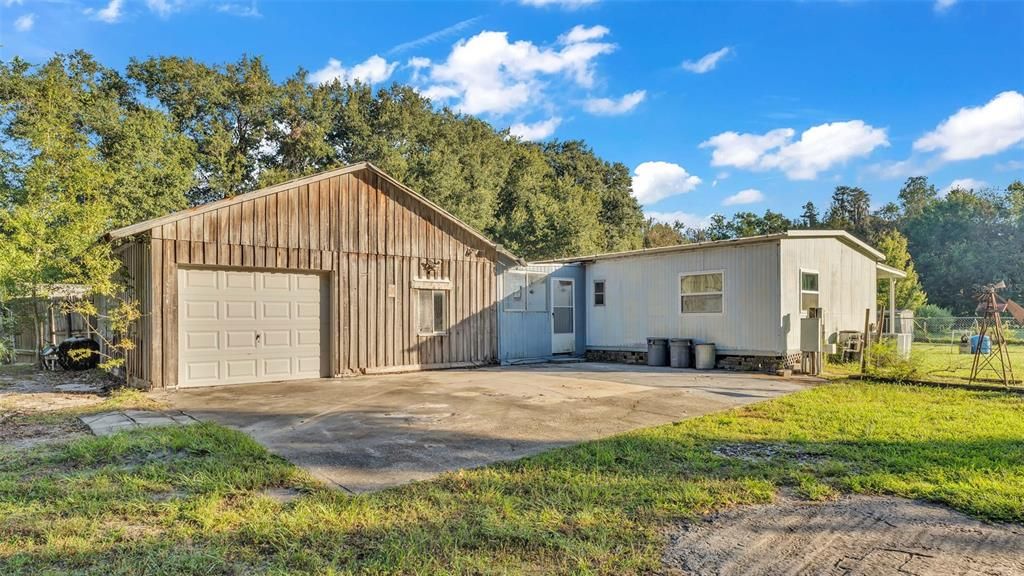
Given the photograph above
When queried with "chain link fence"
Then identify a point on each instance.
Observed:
(942, 352)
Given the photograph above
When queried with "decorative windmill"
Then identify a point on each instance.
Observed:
(990, 305)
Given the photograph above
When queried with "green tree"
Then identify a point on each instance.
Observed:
(915, 195)
(809, 217)
(964, 240)
(909, 293)
(227, 111)
(658, 234)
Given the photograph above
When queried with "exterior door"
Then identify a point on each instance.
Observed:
(241, 326)
(563, 316)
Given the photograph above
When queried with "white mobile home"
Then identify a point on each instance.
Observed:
(745, 295)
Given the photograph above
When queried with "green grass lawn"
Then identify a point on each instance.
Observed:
(942, 363)
(191, 500)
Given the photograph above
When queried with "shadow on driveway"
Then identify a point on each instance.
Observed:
(374, 432)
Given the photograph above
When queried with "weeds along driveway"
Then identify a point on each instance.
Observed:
(373, 432)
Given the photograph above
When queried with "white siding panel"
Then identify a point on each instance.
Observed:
(847, 283)
(642, 300)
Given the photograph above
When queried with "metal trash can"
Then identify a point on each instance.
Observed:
(704, 356)
(657, 352)
(679, 352)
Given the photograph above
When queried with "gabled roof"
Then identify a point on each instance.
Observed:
(839, 235)
(148, 225)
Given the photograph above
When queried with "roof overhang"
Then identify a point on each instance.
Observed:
(884, 272)
(839, 235)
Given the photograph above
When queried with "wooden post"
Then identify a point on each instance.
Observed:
(864, 345)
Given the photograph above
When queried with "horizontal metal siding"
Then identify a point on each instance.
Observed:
(847, 281)
(642, 300)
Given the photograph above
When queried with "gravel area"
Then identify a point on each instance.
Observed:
(853, 535)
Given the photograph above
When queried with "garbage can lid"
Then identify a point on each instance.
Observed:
(656, 340)
(675, 340)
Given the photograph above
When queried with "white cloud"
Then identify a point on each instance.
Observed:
(250, 10)
(488, 74)
(611, 107)
(964, 184)
(943, 5)
(688, 219)
(25, 23)
(744, 150)
(371, 71)
(819, 148)
(568, 4)
(9, 3)
(979, 131)
(581, 33)
(1010, 165)
(708, 62)
(537, 130)
(653, 181)
(110, 13)
(748, 196)
(164, 8)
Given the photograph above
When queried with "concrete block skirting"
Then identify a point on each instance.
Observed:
(617, 356)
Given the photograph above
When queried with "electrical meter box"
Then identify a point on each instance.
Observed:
(810, 335)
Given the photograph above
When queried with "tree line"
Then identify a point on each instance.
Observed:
(87, 148)
(959, 240)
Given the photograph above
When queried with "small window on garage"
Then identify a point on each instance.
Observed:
(432, 312)
(702, 293)
(598, 292)
(515, 290)
(809, 295)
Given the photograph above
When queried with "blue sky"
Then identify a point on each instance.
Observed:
(715, 107)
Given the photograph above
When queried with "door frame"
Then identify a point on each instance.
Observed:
(572, 293)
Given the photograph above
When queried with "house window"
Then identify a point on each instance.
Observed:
(432, 312)
(599, 293)
(808, 291)
(701, 293)
(515, 288)
(525, 292)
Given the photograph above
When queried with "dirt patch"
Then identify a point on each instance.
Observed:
(31, 401)
(26, 389)
(850, 536)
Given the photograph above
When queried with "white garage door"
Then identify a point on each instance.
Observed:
(238, 326)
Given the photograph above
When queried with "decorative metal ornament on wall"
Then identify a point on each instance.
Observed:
(430, 265)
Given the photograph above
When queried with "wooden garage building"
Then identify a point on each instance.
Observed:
(344, 272)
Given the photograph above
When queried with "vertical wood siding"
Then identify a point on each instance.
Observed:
(367, 235)
(136, 265)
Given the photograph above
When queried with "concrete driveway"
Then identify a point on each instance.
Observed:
(373, 432)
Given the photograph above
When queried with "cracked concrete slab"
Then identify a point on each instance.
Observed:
(107, 423)
(853, 536)
(373, 432)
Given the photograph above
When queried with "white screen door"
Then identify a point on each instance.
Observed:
(563, 317)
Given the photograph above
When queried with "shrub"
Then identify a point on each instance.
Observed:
(885, 362)
(932, 311)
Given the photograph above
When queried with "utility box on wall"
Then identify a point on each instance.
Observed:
(810, 335)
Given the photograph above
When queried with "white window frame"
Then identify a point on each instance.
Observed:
(800, 285)
(447, 310)
(604, 293)
(679, 293)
